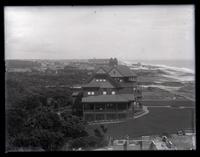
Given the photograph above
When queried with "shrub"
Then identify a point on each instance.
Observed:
(86, 142)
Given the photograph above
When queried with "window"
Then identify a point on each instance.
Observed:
(97, 80)
(104, 80)
(90, 93)
(104, 92)
(111, 116)
(99, 117)
(120, 80)
(99, 107)
(111, 107)
(122, 116)
(100, 80)
(113, 92)
(88, 107)
(121, 107)
(89, 117)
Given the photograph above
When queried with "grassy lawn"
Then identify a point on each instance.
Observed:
(169, 103)
(158, 121)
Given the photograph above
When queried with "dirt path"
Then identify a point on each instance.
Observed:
(146, 111)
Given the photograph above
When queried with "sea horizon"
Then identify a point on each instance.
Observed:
(178, 63)
(187, 64)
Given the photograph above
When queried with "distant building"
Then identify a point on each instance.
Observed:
(18, 69)
(99, 61)
(112, 93)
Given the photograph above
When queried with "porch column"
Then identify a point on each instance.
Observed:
(94, 113)
(104, 115)
(116, 107)
(127, 111)
(83, 111)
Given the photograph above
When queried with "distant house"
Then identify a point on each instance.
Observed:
(99, 61)
(19, 70)
(111, 93)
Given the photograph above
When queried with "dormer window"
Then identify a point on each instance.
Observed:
(113, 92)
(90, 93)
(104, 92)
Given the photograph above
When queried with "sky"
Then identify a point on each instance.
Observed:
(74, 32)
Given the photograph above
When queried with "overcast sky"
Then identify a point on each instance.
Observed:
(125, 32)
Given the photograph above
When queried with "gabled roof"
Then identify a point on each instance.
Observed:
(109, 98)
(124, 70)
(106, 68)
(99, 84)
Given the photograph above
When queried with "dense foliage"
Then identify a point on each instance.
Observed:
(34, 122)
(88, 142)
(21, 64)
(33, 117)
(42, 79)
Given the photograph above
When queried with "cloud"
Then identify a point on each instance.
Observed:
(138, 32)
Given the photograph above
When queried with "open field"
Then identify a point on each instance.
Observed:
(171, 103)
(157, 92)
(158, 121)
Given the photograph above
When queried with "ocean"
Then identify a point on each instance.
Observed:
(181, 64)
(180, 70)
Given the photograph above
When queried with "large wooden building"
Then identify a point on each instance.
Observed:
(112, 93)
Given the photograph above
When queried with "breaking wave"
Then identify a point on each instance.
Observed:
(179, 73)
(186, 70)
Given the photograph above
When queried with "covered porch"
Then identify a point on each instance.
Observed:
(107, 111)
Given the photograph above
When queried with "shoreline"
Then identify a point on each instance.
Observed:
(163, 64)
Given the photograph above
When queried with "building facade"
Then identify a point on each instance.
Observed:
(112, 93)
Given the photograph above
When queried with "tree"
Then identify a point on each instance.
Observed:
(31, 120)
(77, 107)
(103, 129)
(49, 140)
(85, 142)
(33, 123)
(73, 126)
(113, 61)
(101, 135)
(98, 133)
